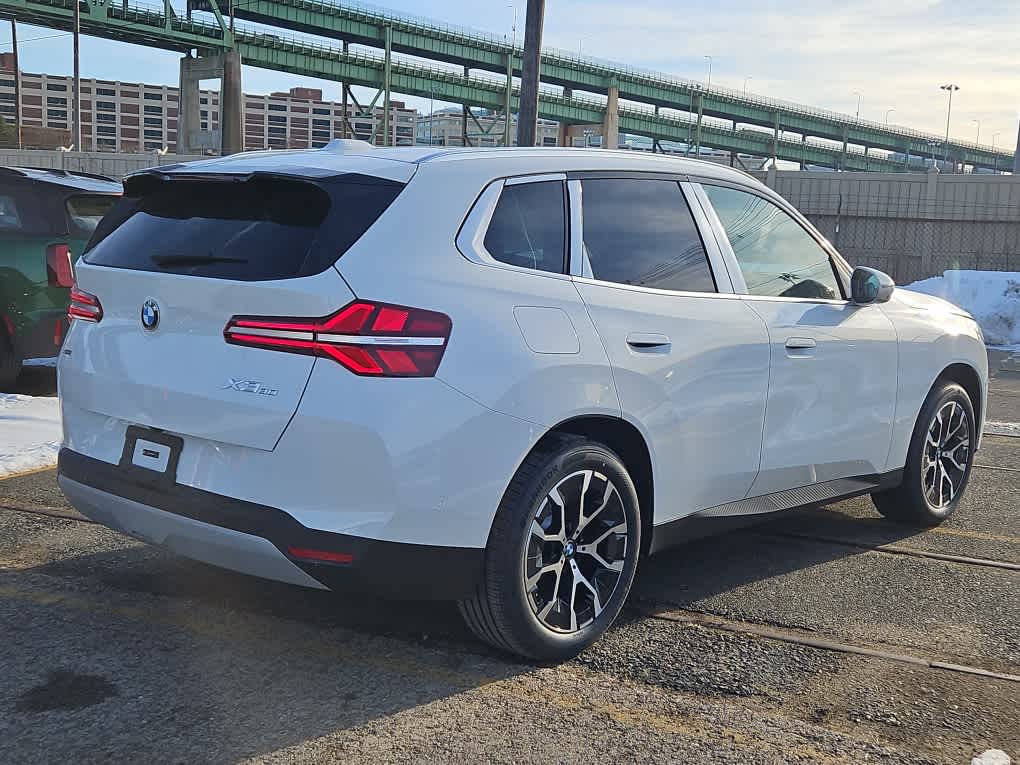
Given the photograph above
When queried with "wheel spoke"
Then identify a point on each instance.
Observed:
(960, 424)
(557, 566)
(580, 579)
(538, 531)
(586, 519)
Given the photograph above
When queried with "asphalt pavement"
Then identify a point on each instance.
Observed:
(826, 636)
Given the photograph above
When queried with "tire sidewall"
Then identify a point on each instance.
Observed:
(530, 633)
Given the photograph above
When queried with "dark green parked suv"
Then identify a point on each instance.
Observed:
(46, 217)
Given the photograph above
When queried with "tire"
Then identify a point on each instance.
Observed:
(534, 619)
(933, 481)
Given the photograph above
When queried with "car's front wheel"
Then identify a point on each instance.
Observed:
(938, 462)
(562, 553)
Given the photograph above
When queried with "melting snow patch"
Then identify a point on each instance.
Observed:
(992, 757)
(29, 433)
(991, 297)
(1003, 429)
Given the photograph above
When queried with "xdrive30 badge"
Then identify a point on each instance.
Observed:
(249, 386)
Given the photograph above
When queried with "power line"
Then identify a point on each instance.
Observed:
(34, 39)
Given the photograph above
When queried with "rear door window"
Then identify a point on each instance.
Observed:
(257, 229)
(528, 227)
(642, 232)
(22, 210)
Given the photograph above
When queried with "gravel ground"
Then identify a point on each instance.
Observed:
(117, 652)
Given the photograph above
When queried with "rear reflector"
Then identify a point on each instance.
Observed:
(84, 306)
(372, 339)
(59, 272)
(321, 556)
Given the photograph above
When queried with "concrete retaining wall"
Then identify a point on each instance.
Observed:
(101, 163)
(914, 225)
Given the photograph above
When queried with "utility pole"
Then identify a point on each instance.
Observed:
(76, 85)
(527, 115)
(949, 113)
(17, 82)
(1016, 157)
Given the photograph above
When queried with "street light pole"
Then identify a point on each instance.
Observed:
(977, 139)
(513, 39)
(950, 88)
(858, 94)
(709, 85)
(527, 115)
(887, 113)
(76, 83)
(749, 77)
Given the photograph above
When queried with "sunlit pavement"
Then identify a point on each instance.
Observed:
(828, 635)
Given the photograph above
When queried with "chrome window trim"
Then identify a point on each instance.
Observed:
(537, 178)
(840, 267)
(653, 290)
(581, 270)
(470, 241)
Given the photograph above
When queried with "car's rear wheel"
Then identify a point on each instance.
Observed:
(562, 553)
(938, 462)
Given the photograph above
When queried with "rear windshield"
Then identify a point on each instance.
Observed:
(84, 211)
(257, 229)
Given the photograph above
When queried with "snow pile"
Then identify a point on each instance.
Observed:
(992, 757)
(991, 297)
(29, 433)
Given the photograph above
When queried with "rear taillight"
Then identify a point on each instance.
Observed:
(84, 306)
(374, 339)
(59, 272)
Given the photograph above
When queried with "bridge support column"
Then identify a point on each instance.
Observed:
(611, 124)
(564, 136)
(191, 139)
(231, 98)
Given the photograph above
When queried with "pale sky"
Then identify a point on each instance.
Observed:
(895, 53)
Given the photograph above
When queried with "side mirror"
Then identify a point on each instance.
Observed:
(868, 285)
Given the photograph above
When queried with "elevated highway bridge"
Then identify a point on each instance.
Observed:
(479, 70)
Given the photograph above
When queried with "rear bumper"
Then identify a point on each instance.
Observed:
(256, 539)
(41, 337)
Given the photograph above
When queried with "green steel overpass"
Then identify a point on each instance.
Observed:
(657, 106)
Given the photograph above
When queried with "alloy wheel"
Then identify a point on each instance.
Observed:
(576, 550)
(946, 456)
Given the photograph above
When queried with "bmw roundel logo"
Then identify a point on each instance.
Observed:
(150, 314)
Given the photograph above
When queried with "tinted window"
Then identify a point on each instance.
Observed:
(24, 209)
(528, 226)
(263, 228)
(84, 211)
(777, 256)
(642, 232)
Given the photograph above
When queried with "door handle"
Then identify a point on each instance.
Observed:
(646, 341)
(800, 343)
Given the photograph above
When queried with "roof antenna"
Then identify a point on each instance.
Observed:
(348, 146)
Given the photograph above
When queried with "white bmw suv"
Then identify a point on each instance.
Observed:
(501, 377)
